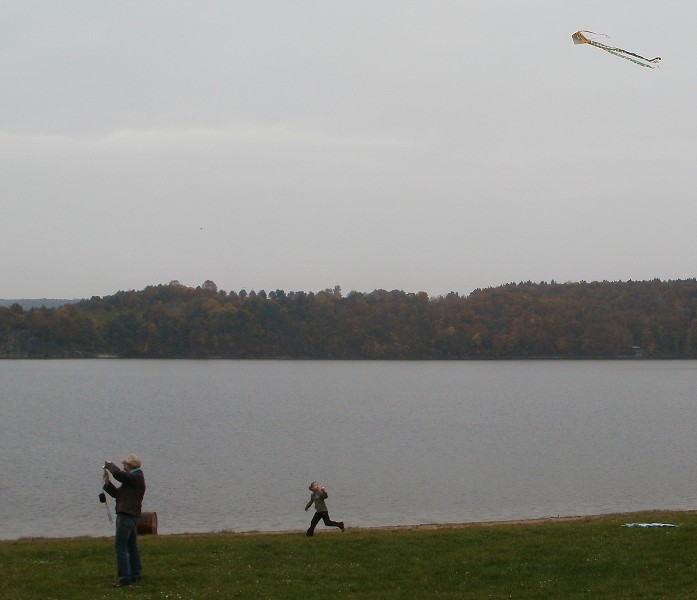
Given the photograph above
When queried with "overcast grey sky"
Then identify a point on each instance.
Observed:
(417, 145)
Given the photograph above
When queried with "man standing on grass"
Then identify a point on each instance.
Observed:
(318, 496)
(129, 500)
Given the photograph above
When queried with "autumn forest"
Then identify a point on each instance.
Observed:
(652, 319)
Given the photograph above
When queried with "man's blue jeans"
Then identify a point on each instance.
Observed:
(126, 546)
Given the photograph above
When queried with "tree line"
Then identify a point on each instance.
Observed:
(655, 319)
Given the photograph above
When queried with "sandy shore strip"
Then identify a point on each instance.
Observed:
(643, 515)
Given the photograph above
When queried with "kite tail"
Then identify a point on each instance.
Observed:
(652, 62)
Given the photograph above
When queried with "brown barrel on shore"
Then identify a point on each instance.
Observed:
(147, 523)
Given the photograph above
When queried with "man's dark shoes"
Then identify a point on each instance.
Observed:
(341, 526)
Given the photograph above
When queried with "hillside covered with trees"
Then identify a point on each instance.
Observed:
(655, 319)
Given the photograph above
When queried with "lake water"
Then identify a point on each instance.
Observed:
(233, 445)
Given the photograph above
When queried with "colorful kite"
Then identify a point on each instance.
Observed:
(651, 63)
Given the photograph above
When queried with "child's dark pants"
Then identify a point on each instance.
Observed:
(321, 516)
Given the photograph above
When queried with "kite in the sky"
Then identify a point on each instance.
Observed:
(651, 63)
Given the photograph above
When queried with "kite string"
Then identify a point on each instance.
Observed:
(594, 33)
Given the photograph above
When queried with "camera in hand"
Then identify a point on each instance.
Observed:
(102, 497)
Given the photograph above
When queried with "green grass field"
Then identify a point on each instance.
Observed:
(559, 558)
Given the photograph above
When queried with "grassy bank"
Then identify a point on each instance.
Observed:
(580, 558)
